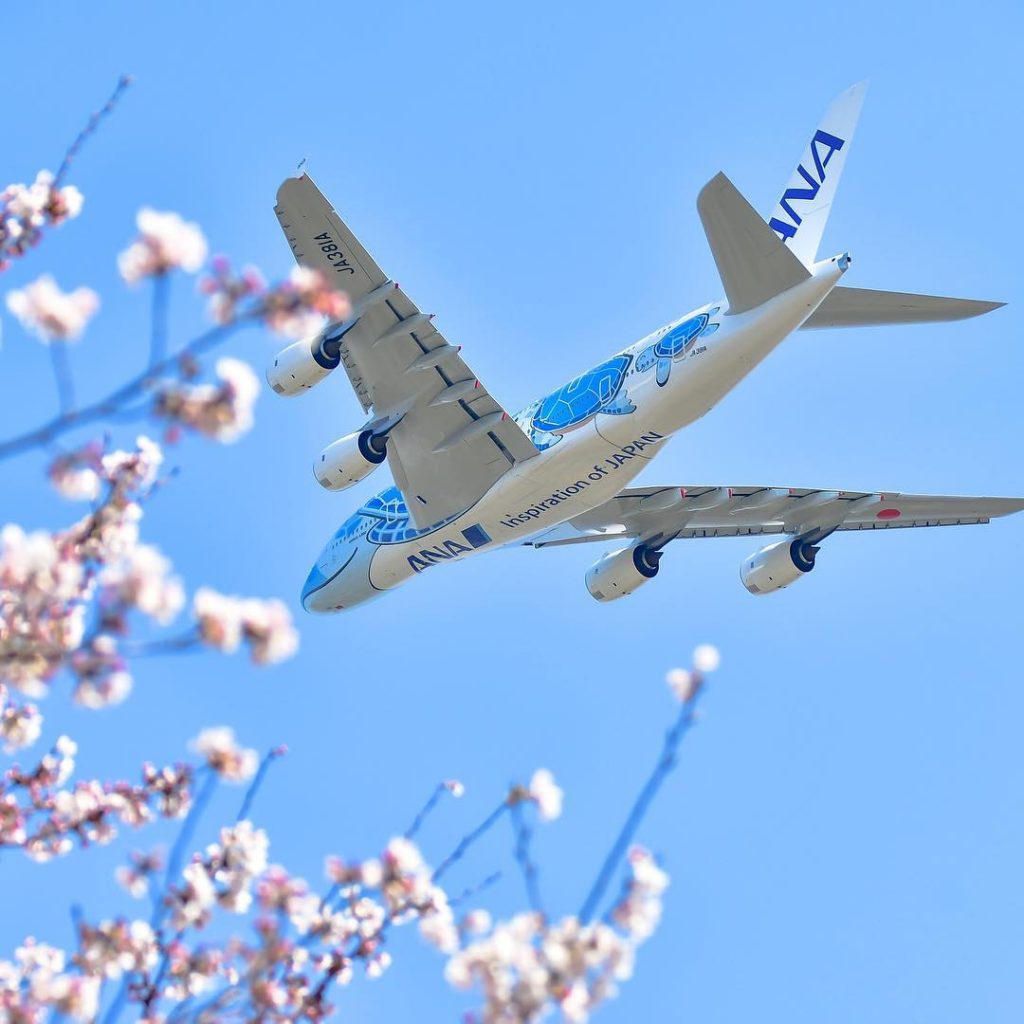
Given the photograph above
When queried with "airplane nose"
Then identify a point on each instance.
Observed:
(313, 586)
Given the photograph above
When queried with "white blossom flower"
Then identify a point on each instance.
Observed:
(219, 617)
(546, 793)
(706, 658)
(222, 412)
(682, 683)
(19, 726)
(265, 625)
(223, 754)
(165, 242)
(51, 314)
(142, 580)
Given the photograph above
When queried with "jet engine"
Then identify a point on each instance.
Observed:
(777, 565)
(300, 366)
(620, 572)
(350, 459)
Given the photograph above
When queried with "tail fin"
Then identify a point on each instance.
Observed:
(801, 214)
(863, 307)
(753, 264)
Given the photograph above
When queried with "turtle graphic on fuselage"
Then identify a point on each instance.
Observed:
(572, 406)
(674, 344)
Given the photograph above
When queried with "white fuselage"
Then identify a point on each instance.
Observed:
(585, 464)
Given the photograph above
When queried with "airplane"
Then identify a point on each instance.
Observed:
(469, 477)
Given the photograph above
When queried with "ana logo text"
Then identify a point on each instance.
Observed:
(823, 146)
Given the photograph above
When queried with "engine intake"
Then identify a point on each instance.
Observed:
(620, 572)
(350, 459)
(304, 364)
(778, 565)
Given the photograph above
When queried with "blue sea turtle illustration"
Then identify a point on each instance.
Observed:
(579, 401)
(675, 344)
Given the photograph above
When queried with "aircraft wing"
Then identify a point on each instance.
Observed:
(660, 514)
(453, 439)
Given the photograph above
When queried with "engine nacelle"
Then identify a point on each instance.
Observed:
(299, 367)
(350, 459)
(777, 565)
(620, 572)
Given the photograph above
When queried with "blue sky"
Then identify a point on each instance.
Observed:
(846, 833)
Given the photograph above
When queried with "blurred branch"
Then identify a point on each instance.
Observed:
(666, 763)
(524, 834)
(63, 376)
(250, 794)
(113, 402)
(468, 840)
(158, 333)
(91, 125)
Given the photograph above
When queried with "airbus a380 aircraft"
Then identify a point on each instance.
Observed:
(468, 477)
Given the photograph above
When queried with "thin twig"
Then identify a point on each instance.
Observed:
(106, 406)
(666, 762)
(467, 841)
(250, 794)
(475, 890)
(187, 641)
(91, 125)
(158, 333)
(188, 829)
(424, 811)
(523, 834)
(62, 376)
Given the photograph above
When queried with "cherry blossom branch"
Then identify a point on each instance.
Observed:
(468, 840)
(159, 318)
(689, 685)
(188, 828)
(452, 786)
(254, 787)
(63, 377)
(119, 397)
(91, 125)
(475, 890)
(523, 834)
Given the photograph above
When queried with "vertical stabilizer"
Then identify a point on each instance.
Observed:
(801, 214)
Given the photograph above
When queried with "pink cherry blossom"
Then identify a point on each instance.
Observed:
(165, 243)
(297, 307)
(25, 210)
(682, 682)
(219, 411)
(217, 745)
(51, 314)
(227, 290)
(266, 626)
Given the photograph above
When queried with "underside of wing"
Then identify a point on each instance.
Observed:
(866, 307)
(448, 439)
(659, 514)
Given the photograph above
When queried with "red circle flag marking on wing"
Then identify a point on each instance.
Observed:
(888, 513)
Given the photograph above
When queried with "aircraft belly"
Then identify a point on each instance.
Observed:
(583, 471)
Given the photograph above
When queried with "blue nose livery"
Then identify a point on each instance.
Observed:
(469, 477)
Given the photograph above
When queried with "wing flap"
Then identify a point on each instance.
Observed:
(646, 513)
(401, 366)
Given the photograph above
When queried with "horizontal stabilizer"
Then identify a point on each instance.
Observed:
(753, 264)
(864, 307)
